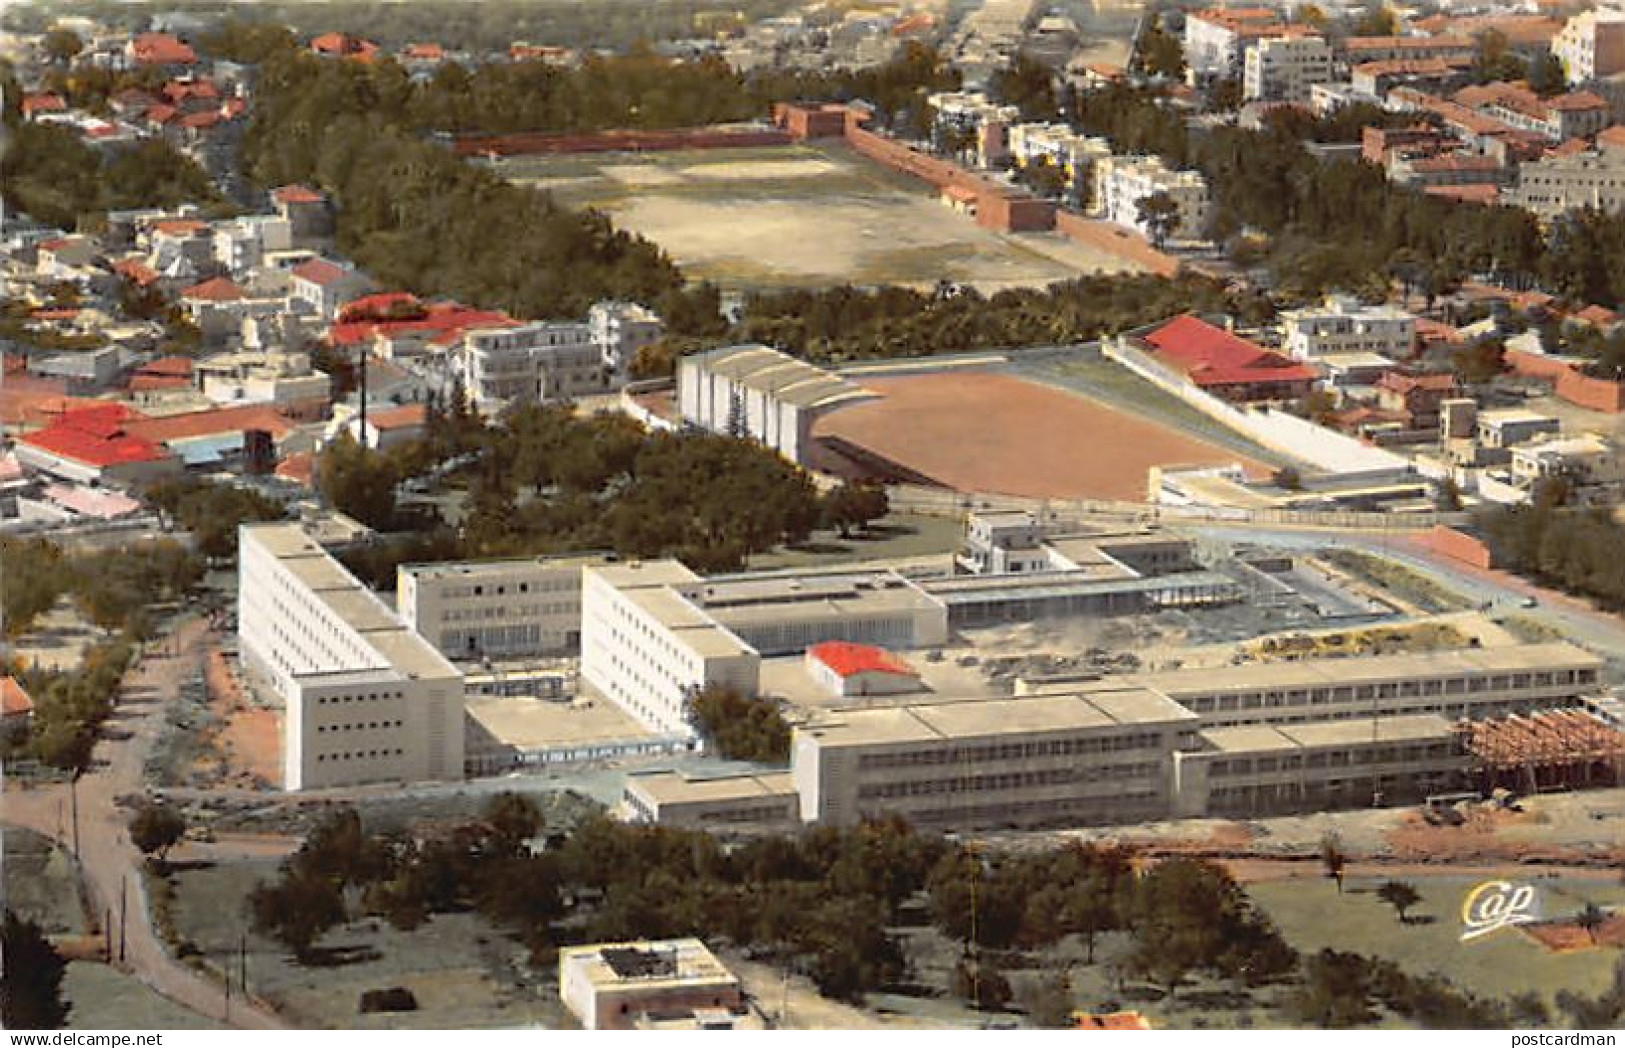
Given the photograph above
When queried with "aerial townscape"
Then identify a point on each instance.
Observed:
(813, 514)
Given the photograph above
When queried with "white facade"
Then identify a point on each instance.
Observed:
(972, 114)
(1591, 45)
(1555, 185)
(258, 377)
(1217, 39)
(620, 329)
(647, 648)
(1344, 325)
(1285, 68)
(365, 700)
(539, 362)
(1121, 182)
(496, 608)
(756, 392)
(1072, 154)
(240, 244)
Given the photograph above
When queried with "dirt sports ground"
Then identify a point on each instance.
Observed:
(989, 432)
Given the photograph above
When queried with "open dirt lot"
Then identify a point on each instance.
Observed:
(798, 216)
(990, 432)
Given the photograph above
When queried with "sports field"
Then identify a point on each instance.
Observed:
(988, 432)
(800, 216)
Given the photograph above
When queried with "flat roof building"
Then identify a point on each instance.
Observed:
(365, 699)
(612, 986)
(511, 608)
(765, 803)
(757, 392)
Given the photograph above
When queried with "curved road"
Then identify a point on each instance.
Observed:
(107, 859)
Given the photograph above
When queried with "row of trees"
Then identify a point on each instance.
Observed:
(212, 512)
(1574, 549)
(848, 323)
(71, 706)
(545, 480)
(825, 902)
(111, 588)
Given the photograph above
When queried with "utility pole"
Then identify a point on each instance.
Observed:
(73, 796)
(123, 915)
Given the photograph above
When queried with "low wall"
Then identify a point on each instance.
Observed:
(1594, 394)
(1458, 545)
(1279, 431)
(1116, 241)
(523, 144)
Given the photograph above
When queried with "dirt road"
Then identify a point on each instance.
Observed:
(110, 863)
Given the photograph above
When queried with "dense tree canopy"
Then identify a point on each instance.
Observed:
(52, 175)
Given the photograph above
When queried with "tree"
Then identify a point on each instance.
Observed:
(357, 481)
(1335, 993)
(1448, 499)
(1401, 895)
(155, 828)
(1027, 84)
(1048, 1002)
(1158, 52)
(851, 505)
(981, 984)
(30, 978)
(1159, 214)
(1333, 858)
(1378, 20)
(1225, 96)
(738, 727)
(62, 45)
(514, 820)
(1546, 76)
(1495, 59)
(1591, 917)
(297, 910)
(1287, 478)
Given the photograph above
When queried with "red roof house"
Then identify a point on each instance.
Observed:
(94, 443)
(16, 708)
(849, 669)
(44, 102)
(343, 45)
(296, 194)
(160, 49)
(1226, 365)
(215, 289)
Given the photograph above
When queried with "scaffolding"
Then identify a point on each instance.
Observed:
(1554, 750)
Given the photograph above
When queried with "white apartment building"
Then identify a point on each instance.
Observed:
(503, 609)
(646, 646)
(1284, 69)
(538, 362)
(975, 120)
(1552, 186)
(258, 376)
(620, 329)
(1343, 325)
(240, 244)
(1072, 154)
(1217, 39)
(1121, 182)
(365, 699)
(757, 392)
(1591, 45)
(1584, 460)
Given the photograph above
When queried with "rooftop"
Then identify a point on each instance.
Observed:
(990, 718)
(670, 787)
(672, 963)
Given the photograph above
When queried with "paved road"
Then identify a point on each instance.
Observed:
(109, 862)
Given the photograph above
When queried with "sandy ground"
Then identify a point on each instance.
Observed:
(251, 740)
(58, 639)
(798, 216)
(985, 432)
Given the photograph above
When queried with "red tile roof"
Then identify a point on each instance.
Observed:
(212, 423)
(407, 416)
(160, 114)
(424, 52)
(344, 45)
(846, 659)
(179, 227)
(1612, 137)
(207, 118)
(1401, 382)
(300, 467)
(136, 272)
(217, 289)
(319, 271)
(171, 366)
(45, 102)
(161, 49)
(296, 194)
(1212, 356)
(180, 90)
(14, 701)
(441, 321)
(96, 437)
(1483, 193)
